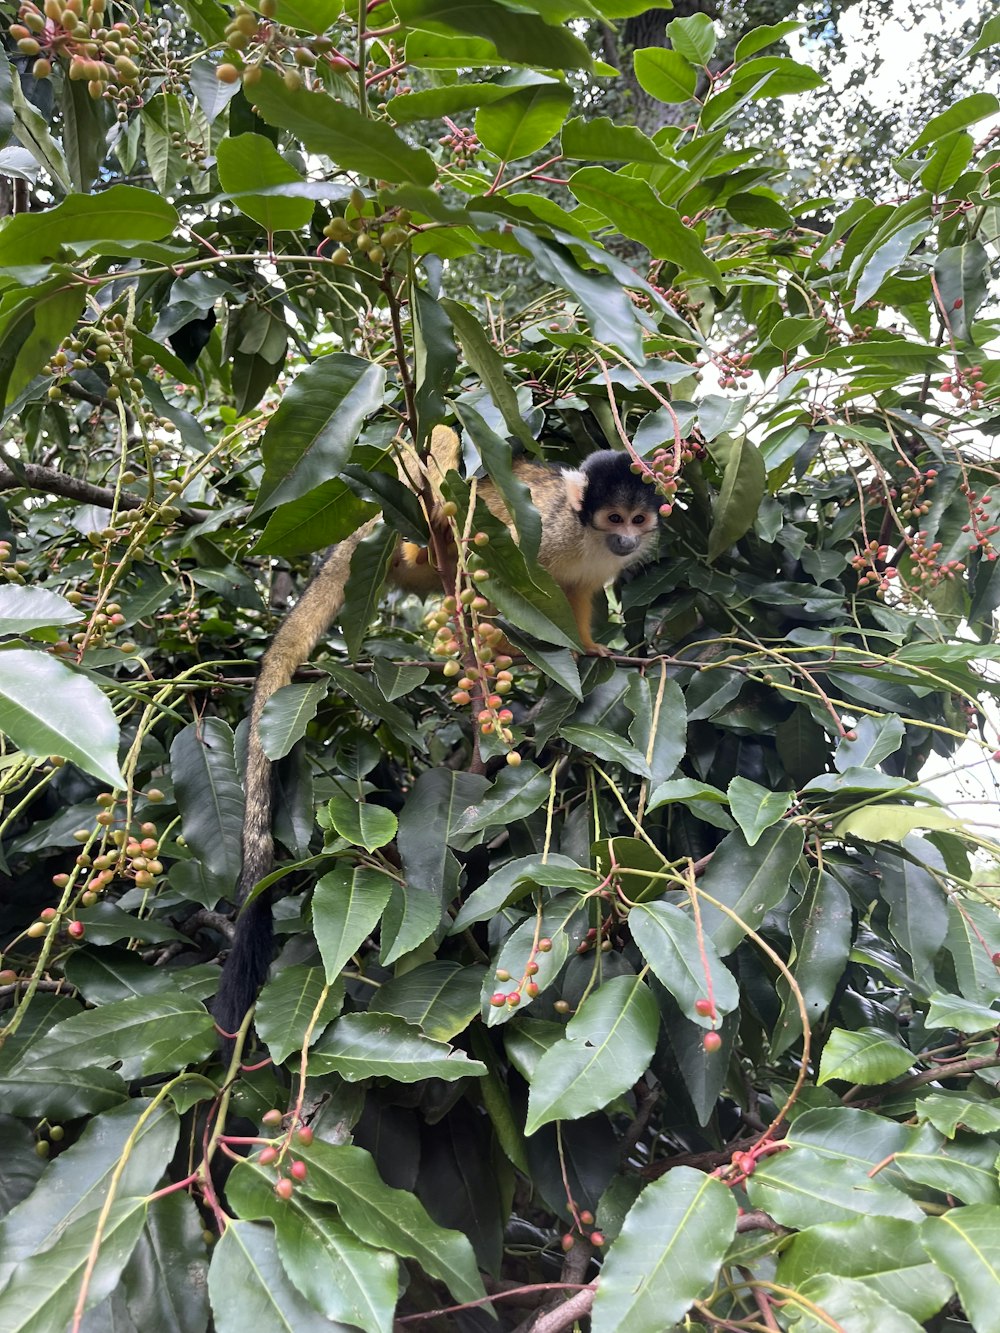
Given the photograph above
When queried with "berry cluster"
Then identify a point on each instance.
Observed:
(665, 467)
(965, 384)
(980, 526)
(376, 238)
(94, 346)
(272, 44)
(910, 499)
(867, 563)
(384, 80)
(463, 145)
(284, 1185)
(104, 57)
(928, 568)
(734, 367)
(526, 984)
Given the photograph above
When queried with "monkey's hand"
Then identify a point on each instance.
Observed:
(593, 649)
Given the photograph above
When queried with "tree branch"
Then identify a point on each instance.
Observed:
(34, 477)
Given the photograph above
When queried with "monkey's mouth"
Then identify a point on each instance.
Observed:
(621, 545)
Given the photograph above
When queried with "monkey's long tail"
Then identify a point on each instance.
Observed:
(253, 943)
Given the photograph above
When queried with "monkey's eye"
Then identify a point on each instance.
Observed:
(639, 519)
(615, 518)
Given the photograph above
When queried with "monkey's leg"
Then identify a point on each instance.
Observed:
(582, 602)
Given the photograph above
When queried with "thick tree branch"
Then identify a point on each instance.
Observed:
(36, 478)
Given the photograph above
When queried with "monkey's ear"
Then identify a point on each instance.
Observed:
(576, 488)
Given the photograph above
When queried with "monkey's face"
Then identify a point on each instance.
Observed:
(626, 529)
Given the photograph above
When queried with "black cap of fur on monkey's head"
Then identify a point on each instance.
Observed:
(611, 484)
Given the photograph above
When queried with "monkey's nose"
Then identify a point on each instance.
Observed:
(619, 544)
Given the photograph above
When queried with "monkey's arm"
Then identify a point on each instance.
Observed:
(300, 631)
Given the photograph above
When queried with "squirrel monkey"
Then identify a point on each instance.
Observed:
(597, 520)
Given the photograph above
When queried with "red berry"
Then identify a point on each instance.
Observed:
(711, 1041)
(77, 929)
(299, 1170)
(305, 1135)
(267, 1156)
(568, 1241)
(284, 1188)
(597, 1238)
(272, 1117)
(704, 1007)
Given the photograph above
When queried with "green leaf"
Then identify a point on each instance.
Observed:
(6, 100)
(803, 1188)
(790, 333)
(966, 1170)
(748, 880)
(602, 140)
(820, 927)
(441, 998)
(32, 132)
(966, 111)
(286, 1006)
(122, 212)
(609, 312)
(59, 1094)
(337, 1273)
(668, 1253)
(210, 798)
(889, 255)
(27, 608)
(636, 211)
(524, 122)
(497, 458)
(965, 1243)
(45, 1288)
(658, 729)
(33, 322)
(876, 739)
(347, 906)
(758, 38)
(148, 1034)
(396, 679)
(434, 103)
(775, 76)
(251, 163)
(852, 1305)
(367, 826)
(756, 209)
(364, 588)
(516, 879)
(687, 966)
(487, 363)
(755, 808)
(515, 794)
(949, 1011)
(75, 1185)
(918, 907)
(606, 1046)
(350, 140)
(694, 38)
(947, 1113)
(286, 715)
(165, 1283)
(308, 15)
(962, 273)
(743, 485)
(390, 1219)
(884, 1253)
(866, 1056)
(989, 35)
(527, 40)
(564, 924)
(893, 823)
(378, 1045)
(249, 1288)
(947, 162)
(318, 420)
(664, 74)
(607, 746)
(48, 708)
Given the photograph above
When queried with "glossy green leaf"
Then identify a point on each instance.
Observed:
(989, 35)
(564, 924)
(487, 363)
(45, 1288)
(367, 826)
(949, 1011)
(801, 1188)
(347, 905)
(687, 966)
(866, 1056)
(888, 257)
(340, 132)
(48, 708)
(668, 1253)
(606, 745)
(122, 212)
(948, 1113)
(528, 41)
(249, 1288)
(75, 1185)
(946, 164)
(918, 908)
(323, 516)
(790, 333)
(293, 1003)
(965, 1243)
(441, 998)
(514, 794)
(600, 139)
(766, 35)
(966, 111)
(337, 1273)
(210, 798)
(755, 808)
(377, 1045)
(962, 274)
(964, 1169)
(635, 210)
(893, 823)
(749, 880)
(754, 208)
(853, 1305)
(658, 729)
(317, 422)
(524, 122)
(148, 1034)
(23, 609)
(433, 103)
(883, 1253)
(606, 1046)
(693, 37)
(33, 322)
(251, 163)
(775, 76)
(664, 74)
(286, 715)
(390, 1219)
(743, 484)
(60, 1094)
(820, 927)
(497, 458)
(875, 739)
(514, 880)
